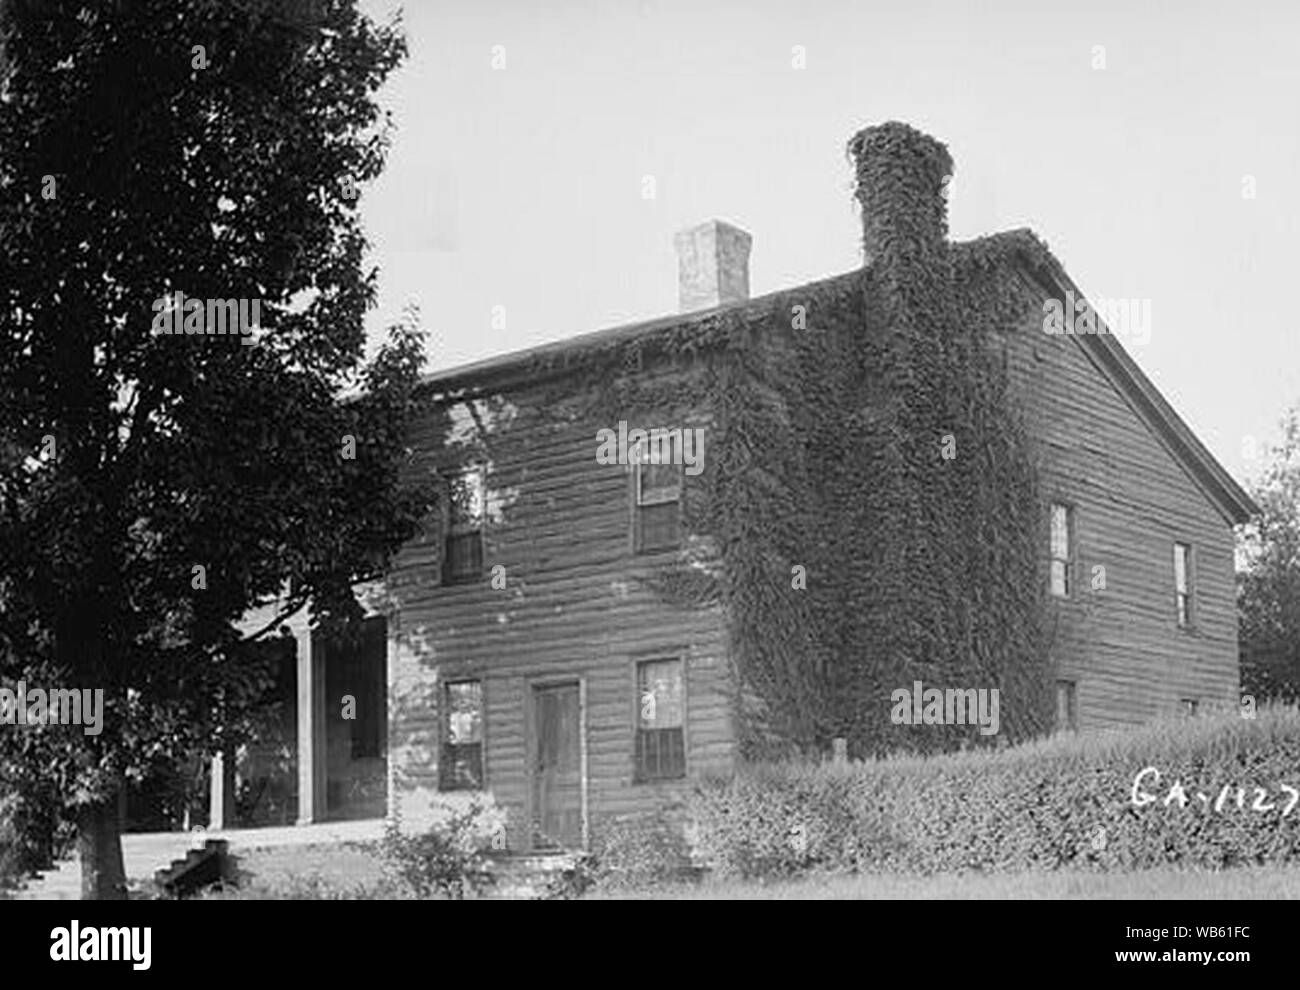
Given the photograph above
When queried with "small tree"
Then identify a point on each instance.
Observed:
(1268, 589)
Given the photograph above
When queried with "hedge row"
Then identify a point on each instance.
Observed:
(1068, 801)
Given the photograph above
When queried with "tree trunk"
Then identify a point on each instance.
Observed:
(99, 841)
(79, 646)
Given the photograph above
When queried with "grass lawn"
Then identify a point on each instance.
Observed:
(1254, 883)
(325, 872)
(354, 871)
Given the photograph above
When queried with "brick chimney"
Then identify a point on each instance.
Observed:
(901, 175)
(712, 265)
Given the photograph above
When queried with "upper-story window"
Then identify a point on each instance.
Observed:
(658, 481)
(1062, 545)
(1183, 583)
(463, 559)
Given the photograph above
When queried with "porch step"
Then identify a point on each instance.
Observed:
(200, 868)
(529, 877)
(142, 852)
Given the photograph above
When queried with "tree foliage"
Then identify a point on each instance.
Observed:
(1268, 589)
(154, 487)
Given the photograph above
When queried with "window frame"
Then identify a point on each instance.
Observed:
(1071, 549)
(461, 530)
(639, 776)
(1185, 596)
(655, 497)
(447, 784)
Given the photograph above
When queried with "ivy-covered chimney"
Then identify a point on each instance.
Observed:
(901, 179)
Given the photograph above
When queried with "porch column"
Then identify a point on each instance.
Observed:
(221, 792)
(393, 657)
(311, 729)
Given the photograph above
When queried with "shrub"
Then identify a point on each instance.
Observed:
(1066, 801)
(450, 857)
(571, 882)
(31, 834)
(638, 851)
(12, 867)
(776, 821)
(310, 888)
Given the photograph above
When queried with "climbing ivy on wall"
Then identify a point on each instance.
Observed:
(869, 500)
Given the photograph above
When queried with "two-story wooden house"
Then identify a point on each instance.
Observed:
(529, 655)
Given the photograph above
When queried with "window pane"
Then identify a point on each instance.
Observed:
(675, 765)
(1060, 532)
(1180, 566)
(467, 499)
(659, 477)
(660, 694)
(657, 526)
(464, 557)
(657, 471)
(1060, 578)
(465, 713)
(658, 490)
(461, 762)
(461, 767)
(660, 754)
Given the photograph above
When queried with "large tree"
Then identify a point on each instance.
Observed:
(154, 487)
(1269, 587)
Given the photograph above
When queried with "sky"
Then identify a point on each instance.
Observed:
(1155, 147)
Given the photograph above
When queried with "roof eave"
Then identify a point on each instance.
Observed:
(514, 366)
(1231, 499)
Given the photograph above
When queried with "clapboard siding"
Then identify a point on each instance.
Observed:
(1133, 499)
(574, 608)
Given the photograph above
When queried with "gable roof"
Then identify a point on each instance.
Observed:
(1232, 501)
(1021, 246)
(558, 356)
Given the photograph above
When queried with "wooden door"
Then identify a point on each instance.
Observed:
(557, 767)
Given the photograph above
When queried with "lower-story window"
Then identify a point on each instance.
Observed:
(460, 767)
(1067, 709)
(660, 741)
